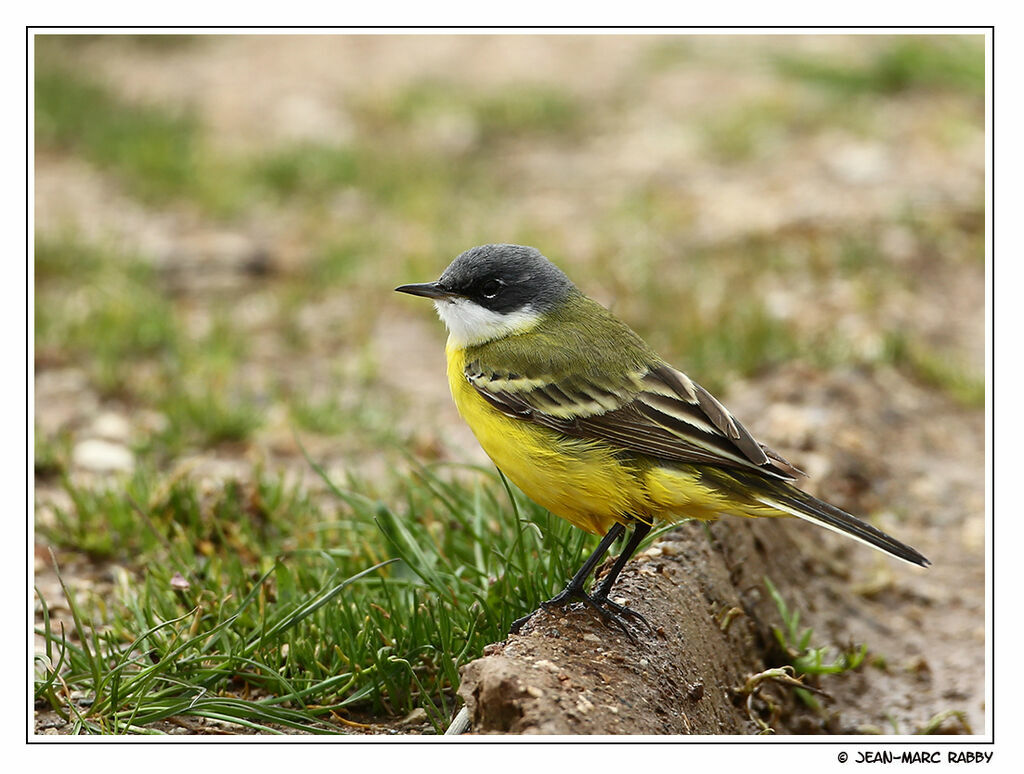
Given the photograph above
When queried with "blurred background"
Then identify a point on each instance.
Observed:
(220, 221)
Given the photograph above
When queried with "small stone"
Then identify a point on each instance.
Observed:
(112, 427)
(671, 548)
(415, 718)
(859, 163)
(102, 456)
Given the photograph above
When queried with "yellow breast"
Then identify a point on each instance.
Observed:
(581, 481)
(586, 482)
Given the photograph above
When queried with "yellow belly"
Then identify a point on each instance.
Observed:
(581, 481)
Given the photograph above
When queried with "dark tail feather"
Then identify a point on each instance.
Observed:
(808, 508)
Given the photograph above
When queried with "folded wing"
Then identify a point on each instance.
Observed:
(654, 410)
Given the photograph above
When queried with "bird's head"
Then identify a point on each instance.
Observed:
(493, 291)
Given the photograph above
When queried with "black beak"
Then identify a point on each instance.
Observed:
(425, 289)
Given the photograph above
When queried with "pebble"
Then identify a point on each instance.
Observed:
(859, 163)
(545, 664)
(102, 456)
(112, 427)
(417, 717)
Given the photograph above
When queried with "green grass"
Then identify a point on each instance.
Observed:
(668, 54)
(389, 172)
(738, 134)
(685, 310)
(308, 170)
(158, 153)
(50, 454)
(903, 63)
(313, 171)
(293, 610)
(691, 307)
(153, 148)
(99, 308)
(801, 659)
(108, 313)
(113, 316)
(161, 154)
(751, 130)
(937, 724)
(517, 110)
(325, 416)
(207, 417)
(934, 369)
(796, 644)
(740, 342)
(338, 261)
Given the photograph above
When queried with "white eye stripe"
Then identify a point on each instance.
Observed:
(470, 324)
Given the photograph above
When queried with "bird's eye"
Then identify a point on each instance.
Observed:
(491, 288)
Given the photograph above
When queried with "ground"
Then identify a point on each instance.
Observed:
(796, 222)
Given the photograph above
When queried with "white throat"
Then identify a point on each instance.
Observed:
(470, 324)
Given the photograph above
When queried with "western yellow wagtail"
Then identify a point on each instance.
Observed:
(584, 417)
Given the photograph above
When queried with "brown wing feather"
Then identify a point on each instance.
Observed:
(663, 414)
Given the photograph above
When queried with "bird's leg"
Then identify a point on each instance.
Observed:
(600, 595)
(608, 610)
(574, 588)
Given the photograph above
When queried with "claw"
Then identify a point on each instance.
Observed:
(622, 610)
(610, 612)
(519, 622)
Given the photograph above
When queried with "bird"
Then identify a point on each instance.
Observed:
(582, 415)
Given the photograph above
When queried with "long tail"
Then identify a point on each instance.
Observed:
(802, 505)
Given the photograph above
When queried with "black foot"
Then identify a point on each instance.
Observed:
(620, 611)
(610, 612)
(561, 598)
(519, 622)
